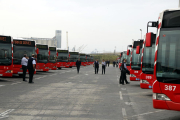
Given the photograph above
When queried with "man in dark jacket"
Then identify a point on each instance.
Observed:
(123, 73)
(31, 68)
(96, 66)
(78, 64)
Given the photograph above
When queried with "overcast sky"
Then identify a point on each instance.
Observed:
(99, 24)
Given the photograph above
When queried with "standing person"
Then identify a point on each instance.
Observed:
(103, 66)
(108, 63)
(114, 63)
(31, 68)
(96, 66)
(123, 73)
(24, 62)
(78, 64)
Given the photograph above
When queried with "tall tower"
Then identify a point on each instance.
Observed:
(58, 38)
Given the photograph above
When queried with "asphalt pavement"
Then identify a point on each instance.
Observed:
(65, 95)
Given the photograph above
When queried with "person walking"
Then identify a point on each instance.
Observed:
(103, 66)
(108, 63)
(31, 68)
(96, 66)
(78, 64)
(24, 62)
(123, 73)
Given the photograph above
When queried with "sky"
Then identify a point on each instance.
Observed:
(97, 24)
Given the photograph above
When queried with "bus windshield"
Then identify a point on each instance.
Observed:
(168, 59)
(148, 59)
(52, 57)
(128, 60)
(136, 60)
(42, 57)
(19, 52)
(73, 58)
(5, 54)
(62, 57)
(83, 58)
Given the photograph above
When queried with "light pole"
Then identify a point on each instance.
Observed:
(141, 33)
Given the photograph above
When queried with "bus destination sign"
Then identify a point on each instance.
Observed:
(4, 39)
(62, 51)
(42, 47)
(73, 53)
(24, 42)
(52, 48)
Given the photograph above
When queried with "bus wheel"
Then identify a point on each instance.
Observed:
(59, 67)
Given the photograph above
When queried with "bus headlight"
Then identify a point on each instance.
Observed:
(144, 81)
(160, 97)
(132, 75)
(9, 71)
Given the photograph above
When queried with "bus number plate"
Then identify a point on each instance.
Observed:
(170, 87)
(135, 71)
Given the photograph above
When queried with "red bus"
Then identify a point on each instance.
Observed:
(62, 58)
(88, 60)
(52, 58)
(147, 62)
(21, 47)
(135, 62)
(92, 60)
(166, 85)
(6, 56)
(73, 58)
(42, 57)
(83, 59)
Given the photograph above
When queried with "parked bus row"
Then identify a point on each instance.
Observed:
(47, 57)
(155, 60)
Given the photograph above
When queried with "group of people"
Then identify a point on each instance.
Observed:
(30, 64)
(96, 66)
(115, 63)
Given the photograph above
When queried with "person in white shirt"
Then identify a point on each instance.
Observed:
(24, 62)
(103, 66)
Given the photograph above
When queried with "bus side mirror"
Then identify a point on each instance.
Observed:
(37, 50)
(128, 51)
(138, 50)
(49, 52)
(148, 39)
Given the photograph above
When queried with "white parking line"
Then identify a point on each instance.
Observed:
(2, 85)
(146, 113)
(3, 114)
(120, 94)
(124, 113)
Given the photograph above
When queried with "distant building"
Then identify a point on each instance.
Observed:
(58, 38)
(55, 41)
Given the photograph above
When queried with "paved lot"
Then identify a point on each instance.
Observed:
(65, 95)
